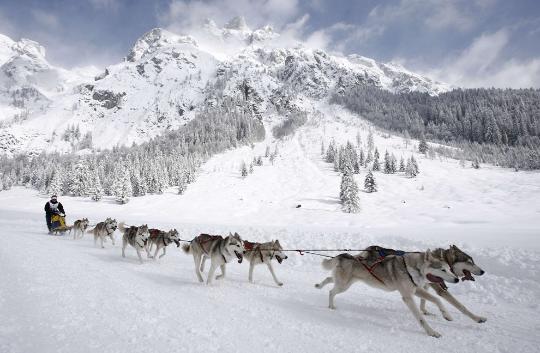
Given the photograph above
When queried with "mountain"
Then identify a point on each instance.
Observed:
(166, 78)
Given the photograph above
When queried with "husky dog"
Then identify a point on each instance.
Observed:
(462, 265)
(103, 230)
(79, 226)
(220, 251)
(161, 240)
(136, 237)
(407, 274)
(263, 253)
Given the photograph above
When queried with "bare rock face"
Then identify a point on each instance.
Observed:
(108, 99)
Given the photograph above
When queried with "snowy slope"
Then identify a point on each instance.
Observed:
(166, 78)
(68, 296)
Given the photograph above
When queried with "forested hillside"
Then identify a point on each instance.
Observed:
(492, 125)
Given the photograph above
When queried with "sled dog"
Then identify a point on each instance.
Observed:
(264, 253)
(406, 273)
(79, 227)
(103, 230)
(161, 240)
(137, 237)
(463, 266)
(220, 250)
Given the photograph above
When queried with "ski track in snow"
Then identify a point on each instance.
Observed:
(60, 295)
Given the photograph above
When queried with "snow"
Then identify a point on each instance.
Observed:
(69, 296)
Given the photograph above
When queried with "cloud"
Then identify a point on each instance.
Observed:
(182, 15)
(482, 64)
(45, 19)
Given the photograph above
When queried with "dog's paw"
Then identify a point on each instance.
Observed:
(318, 286)
(280, 284)
(480, 319)
(447, 317)
(434, 333)
(332, 307)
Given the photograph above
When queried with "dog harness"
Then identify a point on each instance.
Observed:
(383, 253)
(205, 238)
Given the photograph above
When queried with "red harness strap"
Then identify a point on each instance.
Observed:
(370, 268)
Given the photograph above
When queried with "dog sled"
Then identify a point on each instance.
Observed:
(58, 224)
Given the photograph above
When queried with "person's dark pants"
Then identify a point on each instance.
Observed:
(48, 219)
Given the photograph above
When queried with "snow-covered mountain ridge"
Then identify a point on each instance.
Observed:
(166, 78)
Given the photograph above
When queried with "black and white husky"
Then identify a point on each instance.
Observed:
(161, 239)
(407, 274)
(137, 237)
(79, 227)
(220, 250)
(103, 230)
(463, 266)
(264, 253)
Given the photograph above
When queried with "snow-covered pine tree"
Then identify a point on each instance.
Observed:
(56, 184)
(182, 183)
(370, 185)
(251, 168)
(415, 165)
(272, 158)
(401, 164)
(96, 192)
(368, 159)
(123, 189)
(393, 163)
(422, 145)
(267, 152)
(244, 170)
(259, 161)
(361, 157)
(79, 182)
(323, 150)
(331, 153)
(348, 195)
(370, 142)
(387, 163)
(411, 170)
(376, 166)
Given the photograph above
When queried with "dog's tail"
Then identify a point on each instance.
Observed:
(122, 227)
(330, 264)
(186, 248)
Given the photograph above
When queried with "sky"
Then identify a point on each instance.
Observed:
(467, 43)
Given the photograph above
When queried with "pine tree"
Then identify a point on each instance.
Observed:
(358, 139)
(122, 189)
(55, 186)
(370, 184)
(401, 165)
(267, 152)
(387, 163)
(96, 192)
(348, 195)
(368, 159)
(371, 143)
(244, 170)
(376, 166)
(79, 183)
(272, 158)
(393, 163)
(259, 161)
(323, 150)
(182, 183)
(361, 157)
(423, 146)
(411, 170)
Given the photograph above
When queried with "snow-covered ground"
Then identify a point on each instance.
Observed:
(61, 295)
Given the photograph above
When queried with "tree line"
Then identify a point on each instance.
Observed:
(171, 159)
(498, 126)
